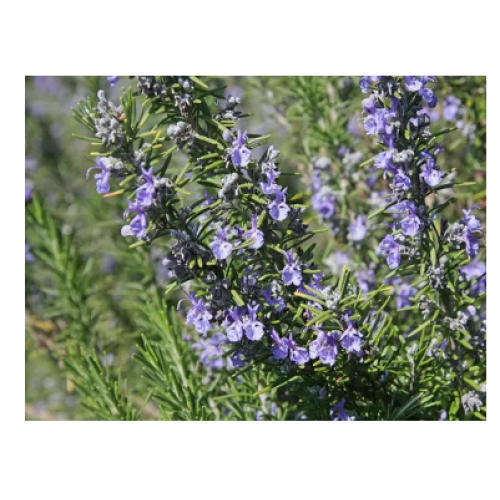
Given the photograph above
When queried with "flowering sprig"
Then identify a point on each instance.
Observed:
(422, 242)
(240, 242)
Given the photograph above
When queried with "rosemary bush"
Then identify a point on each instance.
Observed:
(336, 274)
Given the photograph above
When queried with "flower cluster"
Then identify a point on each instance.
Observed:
(149, 194)
(454, 110)
(396, 113)
(323, 198)
(466, 233)
(109, 124)
(210, 351)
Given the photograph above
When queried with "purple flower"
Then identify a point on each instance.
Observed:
(227, 136)
(298, 355)
(113, 80)
(425, 154)
(273, 299)
(370, 125)
(403, 293)
(210, 350)
(221, 248)
(280, 347)
(317, 183)
(401, 180)
(269, 187)
(413, 83)
(255, 234)
(145, 193)
(102, 178)
(237, 359)
(451, 107)
(351, 339)
(411, 224)
(278, 209)
(472, 230)
(470, 311)
(323, 202)
(369, 104)
(137, 227)
(241, 155)
(384, 160)
(366, 81)
(243, 321)
(428, 96)
(390, 248)
(380, 122)
(198, 316)
(209, 199)
(471, 221)
(138, 224)
(233, 325)
(417, 84)
(427, 79)
(291, 273)
(471, 272)
(287, 347)
(325, 347)
(338, 412)
(431, 173)
(357, 229)
(438, 148)
(254, 330)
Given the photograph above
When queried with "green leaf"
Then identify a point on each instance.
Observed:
(199, 82)
(237, 298)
